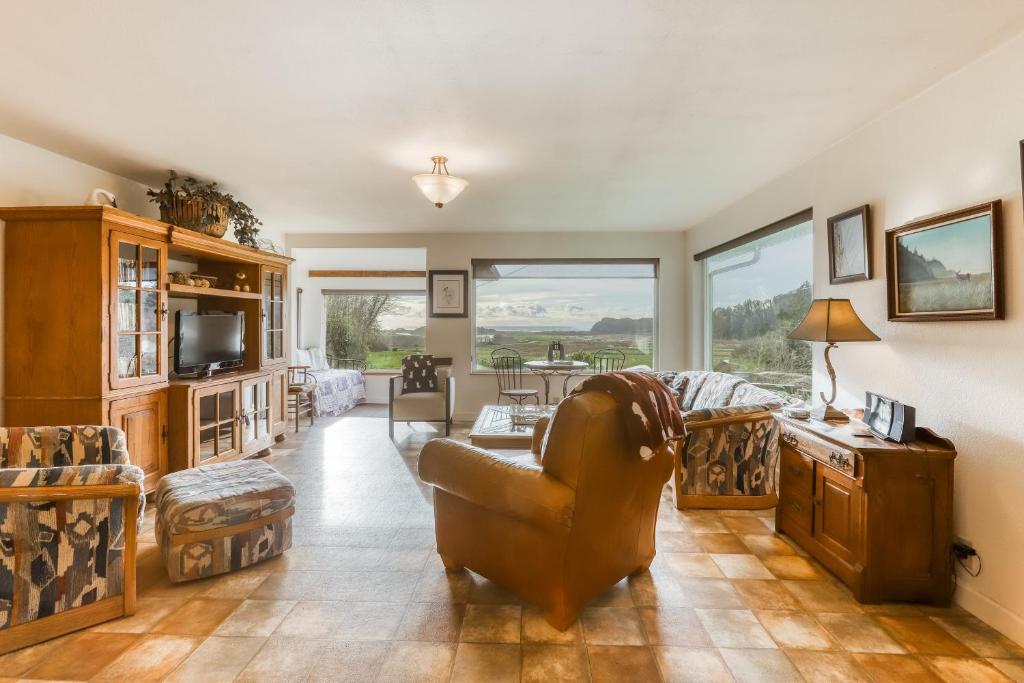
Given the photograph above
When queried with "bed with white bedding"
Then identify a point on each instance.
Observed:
(337, 390)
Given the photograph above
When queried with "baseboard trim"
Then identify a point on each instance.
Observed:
(992, 613)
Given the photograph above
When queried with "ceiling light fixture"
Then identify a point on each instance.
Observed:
(438, 186)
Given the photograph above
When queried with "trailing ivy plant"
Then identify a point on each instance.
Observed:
(240, 216)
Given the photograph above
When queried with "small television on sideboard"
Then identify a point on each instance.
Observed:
(207, 341)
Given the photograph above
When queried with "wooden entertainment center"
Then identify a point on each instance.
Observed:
(87, 328)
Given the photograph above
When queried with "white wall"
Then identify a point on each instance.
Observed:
(454, 251)
(952, 146)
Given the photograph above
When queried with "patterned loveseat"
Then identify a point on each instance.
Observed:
(70, 508)
(730, 455)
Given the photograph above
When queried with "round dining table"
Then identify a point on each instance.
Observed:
(548, 369)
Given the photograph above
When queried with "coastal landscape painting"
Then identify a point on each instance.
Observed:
(947, 267)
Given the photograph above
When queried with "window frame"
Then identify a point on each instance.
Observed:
(655, 262)
(335, 291)
(704, 257)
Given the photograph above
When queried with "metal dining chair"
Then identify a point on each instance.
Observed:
(605, 360)
(508, 368)
(608, 360)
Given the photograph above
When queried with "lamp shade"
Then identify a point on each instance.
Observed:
(440, 188)
(832, 320)
(437, 186)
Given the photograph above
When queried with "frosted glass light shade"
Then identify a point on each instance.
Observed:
(440, 188)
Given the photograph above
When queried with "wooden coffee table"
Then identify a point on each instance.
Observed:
(494, 428)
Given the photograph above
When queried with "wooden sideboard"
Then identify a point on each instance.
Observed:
(86, 324)
(878, 514)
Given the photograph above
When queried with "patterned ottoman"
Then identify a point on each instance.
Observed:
(218, 518)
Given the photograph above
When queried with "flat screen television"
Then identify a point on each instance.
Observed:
(208, 341)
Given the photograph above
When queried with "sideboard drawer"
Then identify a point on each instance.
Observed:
(832, 455)
(796, 474)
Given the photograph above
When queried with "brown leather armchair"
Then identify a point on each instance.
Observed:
(558, 533)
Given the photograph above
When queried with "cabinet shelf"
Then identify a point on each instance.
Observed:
(190, 292)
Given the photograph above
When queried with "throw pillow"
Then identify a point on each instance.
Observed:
(418, 374)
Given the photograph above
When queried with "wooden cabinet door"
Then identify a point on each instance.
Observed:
(217, 435)
(272, 318)
(144, 420)
(255, 414)
(837, 513)
(279, 402)
(138, 311)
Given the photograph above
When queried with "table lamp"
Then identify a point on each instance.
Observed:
(831, 321)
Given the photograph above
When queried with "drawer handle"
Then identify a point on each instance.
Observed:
(797, 506)
(840, 460)
(789, 439)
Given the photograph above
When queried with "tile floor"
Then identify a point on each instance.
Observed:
(363, 597)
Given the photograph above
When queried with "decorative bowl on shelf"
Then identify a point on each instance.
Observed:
(193, 279)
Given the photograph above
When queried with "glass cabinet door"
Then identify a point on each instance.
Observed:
(139, 320)
(255, 410)
(273, 315)
(218, 419)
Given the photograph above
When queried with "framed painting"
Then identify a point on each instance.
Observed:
(447, 293)
(949, 267)
(849, 246)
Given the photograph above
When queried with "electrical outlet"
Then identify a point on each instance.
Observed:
(963, 549)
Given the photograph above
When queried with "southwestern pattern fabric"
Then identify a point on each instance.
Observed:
(749, 394)
(647, 408)
(418, 374)
(734, 459)
(716, 391)
(728, 460)
(218, 496)
(59, 555)
(62, 446)
(337, 391)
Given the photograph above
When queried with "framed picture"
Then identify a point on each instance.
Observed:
(849, 246)
(447, 293)
(949, 267)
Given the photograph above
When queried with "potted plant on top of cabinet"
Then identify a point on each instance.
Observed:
(199, 206)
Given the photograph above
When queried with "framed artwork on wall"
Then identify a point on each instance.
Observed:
(948, 267)
(447, 293)
(849, 246)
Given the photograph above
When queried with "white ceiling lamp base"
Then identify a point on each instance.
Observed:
(437, 186)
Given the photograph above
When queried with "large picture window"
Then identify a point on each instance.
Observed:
(757, 292)
(380, 327)
(587, 304)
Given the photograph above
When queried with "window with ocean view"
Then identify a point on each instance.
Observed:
(757, 292)
(587, 304)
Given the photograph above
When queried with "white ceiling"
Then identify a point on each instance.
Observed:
(574, 115)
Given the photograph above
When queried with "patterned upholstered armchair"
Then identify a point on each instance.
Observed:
(70, 508)
(730, 456)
